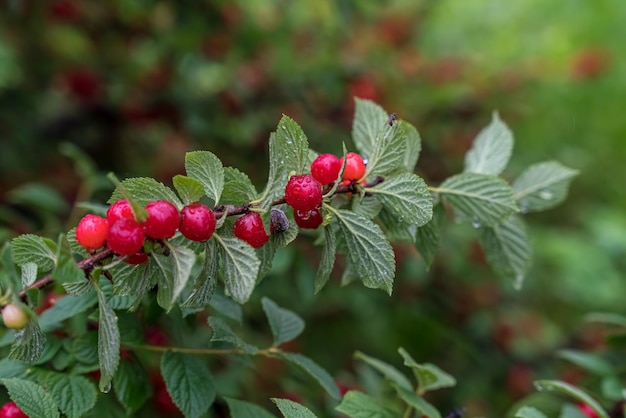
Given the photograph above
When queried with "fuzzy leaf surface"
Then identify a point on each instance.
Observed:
(29, 343)
(314, 370)
(131, 385)
(407, 197)
(285, 324)
(327, 262)
(144, 190)
(32, 399)
(206, 168)
(240, 267)
(28, 248)
(243, 409)
(190, 190)
(413, 145)
(542, 186)
(183, 259)
(428, 237)
(237, 187)
(388, 152)
(74, 395)
(108, 342)
(368, 120)
(357, 404)
(491, 150)
(291, 409)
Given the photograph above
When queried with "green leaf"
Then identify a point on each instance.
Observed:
(12, 368)
(529, 412)
(285, 324)
(188, 382)
(29, 274)
(66, 270)
(428, 237)
(357, 404)
(32, 399)
(367, 248)
(240, 267)
(482, 198)
(367, 206)
(85, 348)
(329, 253)
(310, 367)
(238, 188)
(288, 151)
(407, 197)
(144, 190)
(542, 186)
(28, 248)
(413, 144)
(589, 361)
(183, 260)
(108, 342)
(133, 280)
(205, 167)
(572, 391)
(66, 307)
(424, 408)
(243, 409)
(368, 120)
(29, 343)
(507, 248)
(131, 385)
(388, 151)
(223, 332)
(291, 409)
(388, 371)
(491, 150)
(74, 395)
(205, 282)
(227, 307)
(190, 190)
(429, 376)
(606, 318)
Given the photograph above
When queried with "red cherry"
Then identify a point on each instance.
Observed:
(303, 192)
(125, 237)
(325, 168)
(11, 410)
(197, 222)
(163, 219)
(249, 228)
(137, 258)
(91, 232)
(355, 167)
(308, 220)
(119, 210)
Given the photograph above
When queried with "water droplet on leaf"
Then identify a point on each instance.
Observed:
(476, 223)
(546, 194)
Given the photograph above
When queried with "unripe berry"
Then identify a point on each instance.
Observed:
(355, 167)
(11, 410)
(119, 210)
(325, 168)
(197, 222)
(163, 219)
(14, 316)
(249, 228)
(308, 220)
(303, 192)
(125, 237)
(91, 232)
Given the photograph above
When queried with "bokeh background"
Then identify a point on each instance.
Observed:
(129, 86)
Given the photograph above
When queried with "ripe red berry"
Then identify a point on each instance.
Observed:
(119, 210)
(586, 410)
(163, 219)
(14, 316)
(355, 167)
(11, 410)
(197, 222)
(137, 258)
(125, 237)
(308, 220)
(303, 192)
(325, 168)
(91, 231)
(249, 228)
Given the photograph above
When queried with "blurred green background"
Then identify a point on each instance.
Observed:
(134, 85)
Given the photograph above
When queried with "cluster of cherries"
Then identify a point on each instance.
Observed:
(125, 236)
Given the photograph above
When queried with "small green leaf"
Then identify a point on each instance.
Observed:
(291, 409)
(572, 391)
(66, 307)
(74, 395)
(227, 307)
(542, 186)
(66, 270)
(428, 237)
(423, 408)
(407, 197)
(529, 412)
(327, 262)
(164, 274)
(183, 260)
(285, 324)
(188, 382)
(108, 342)
(205, 167)
(367, 248)
(32, 399)
(594, 363)
(429, 376)
(310, 367)
(144, 190)
(240, 267)
(243, 409)
(413, 144)
(131, 385)
(368, 120)
(483, 199)
(29, 274)
(357, 404)
(12, 368)
(238, 188)
(388, 371)
(29, 343)
(190, 190)
(28, 248)
(133, 280)
(491, 150)
(223, 332)
(507, 248)
(205, 282)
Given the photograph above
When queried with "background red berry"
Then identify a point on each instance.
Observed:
(197, 222)
(325, 168)
(91, 231)
(303, 192)
(249, 228)
(119, 210)
(11, 410)
(125, 237)
(163, 219)
(137, 258)
(355, 167)
(308, 220)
